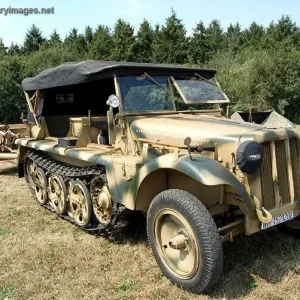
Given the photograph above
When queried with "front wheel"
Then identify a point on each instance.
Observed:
(185, 240)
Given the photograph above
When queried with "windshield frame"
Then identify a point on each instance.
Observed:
(169, 88)
(171, 85)
(187, 101)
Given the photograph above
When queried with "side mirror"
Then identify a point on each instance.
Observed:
(113, 101)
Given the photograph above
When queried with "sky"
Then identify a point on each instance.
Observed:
(79, 14)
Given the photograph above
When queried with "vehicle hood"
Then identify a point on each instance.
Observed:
(202, 129)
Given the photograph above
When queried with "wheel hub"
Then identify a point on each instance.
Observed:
(177, 244)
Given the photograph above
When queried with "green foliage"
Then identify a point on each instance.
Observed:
(7, 291)
(55, 39)
(199, 45)
(13, 213)
(101, 46)
(170, 44)
(88, 35)
(123, 40)
(215, 38)
(254, 35)
(4, 231)
(142, 47)
(258, 67)
(33, 39)
(234, 38)
(262, 79)
(10, 90)
(125, 285)
(14, 49)
(75, 43)
(3, 50)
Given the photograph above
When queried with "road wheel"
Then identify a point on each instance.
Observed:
(291, 227)
(80, 207)
(37, 182)
(185, 240)
(58, 194)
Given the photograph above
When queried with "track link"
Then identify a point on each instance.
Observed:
(51, 166)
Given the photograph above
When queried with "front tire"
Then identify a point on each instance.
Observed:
(185, 240)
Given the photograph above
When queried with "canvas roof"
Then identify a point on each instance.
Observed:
(80, 72)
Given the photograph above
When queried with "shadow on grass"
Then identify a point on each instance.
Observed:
(135, 232)
(268, 255)
(11, 168)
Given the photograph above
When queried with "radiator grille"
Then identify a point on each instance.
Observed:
(266, 177)
(279, 188)
(295, 166)
(282, 172)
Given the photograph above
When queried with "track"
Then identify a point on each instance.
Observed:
(85, 174)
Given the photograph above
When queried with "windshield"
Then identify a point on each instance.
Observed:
(197, 90)
(144, 93)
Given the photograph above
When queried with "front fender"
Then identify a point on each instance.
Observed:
(202, 169)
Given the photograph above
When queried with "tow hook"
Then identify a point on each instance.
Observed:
(263, 215)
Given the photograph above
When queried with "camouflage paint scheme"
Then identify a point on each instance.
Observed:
(138, 167)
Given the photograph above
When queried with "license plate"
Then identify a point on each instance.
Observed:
(289, 215)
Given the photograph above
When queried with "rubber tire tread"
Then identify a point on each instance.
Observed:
(205, 231)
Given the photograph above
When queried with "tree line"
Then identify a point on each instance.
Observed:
(258, 67)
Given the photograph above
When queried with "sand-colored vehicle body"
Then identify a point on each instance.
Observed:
(151, 151)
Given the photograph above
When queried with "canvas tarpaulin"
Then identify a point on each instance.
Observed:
(270, 118)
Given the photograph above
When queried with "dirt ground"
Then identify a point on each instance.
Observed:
(44, 257)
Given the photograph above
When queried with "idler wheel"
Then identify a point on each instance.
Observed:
(38, 181)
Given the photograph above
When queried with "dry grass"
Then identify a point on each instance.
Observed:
(44, 257)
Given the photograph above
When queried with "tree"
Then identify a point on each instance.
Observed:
(258, 67)
(11, 96)
(55, 39)
(233, 38)
(142, 47)
(88, 35)
(33, 39)
(284, 28)
(198, 46)
(75, 42)
(102, 44)
(3, 49)
(215, 38)
(123, 40)
(254, 35)
(170, 44)
(14, 49)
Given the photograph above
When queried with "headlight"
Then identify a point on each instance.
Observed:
(248, 156)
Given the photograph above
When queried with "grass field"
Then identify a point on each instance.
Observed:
(44, 257)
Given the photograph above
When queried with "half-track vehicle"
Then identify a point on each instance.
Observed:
(105, 138)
